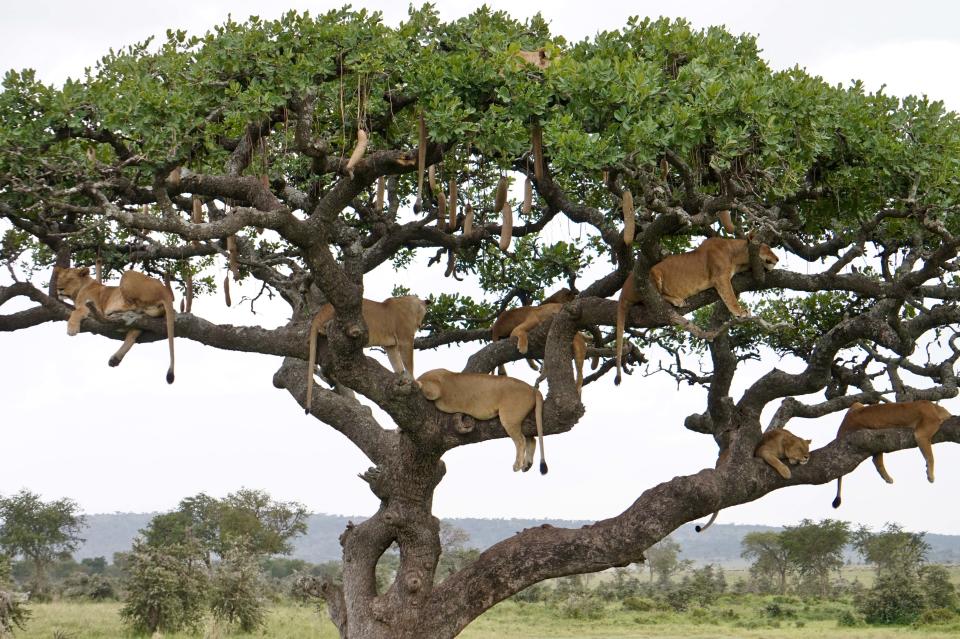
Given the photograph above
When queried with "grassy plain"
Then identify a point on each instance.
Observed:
(731, 617)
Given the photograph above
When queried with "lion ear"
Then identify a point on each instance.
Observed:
(809, 441)
(750, 236)
(83, 272)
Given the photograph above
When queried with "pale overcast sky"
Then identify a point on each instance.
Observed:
(122, 440)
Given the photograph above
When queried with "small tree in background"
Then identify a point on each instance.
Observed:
(663, 560)
(40, 532)
(166, 588)
(897, 596)
(816, 549)
(237, 590)
(770, 559)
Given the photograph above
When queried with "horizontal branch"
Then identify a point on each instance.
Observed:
(545, 552)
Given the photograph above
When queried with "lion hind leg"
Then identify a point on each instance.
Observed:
(518, 441)
(128, 342)
(926, 448)
(878, 463)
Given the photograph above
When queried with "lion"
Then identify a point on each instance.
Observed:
(923, 416)
(677, 277)
(775, 445)
(137, 292)
(485, 397)
(392, 324)
(518, 322)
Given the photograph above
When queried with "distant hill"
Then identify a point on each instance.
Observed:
(107, 534)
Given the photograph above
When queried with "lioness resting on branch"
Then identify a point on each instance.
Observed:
(677, 277)
(137, 292)
(924, 417)
(485, 397)
(775, 445)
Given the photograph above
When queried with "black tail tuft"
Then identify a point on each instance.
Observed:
(836, 502)
(169, 377)
(698, 528)
(306, 411)
(616, 380)
(113, 361)
(543, 467)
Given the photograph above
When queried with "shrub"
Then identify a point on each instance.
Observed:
(935, 616)
(582, 607)
(93, 587)
(774, 610)
(533, 594)
(639, 604)
(938, 591)
(892, 600)
(237, 591)
(846, 619)
(165, 588)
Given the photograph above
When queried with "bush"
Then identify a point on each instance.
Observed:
(935, 616)
(938, 591)
(165, 588)
(639, 604)
(892, 600)
(847, 619)
(533, 594)
(93, 587)
(13, 614)
(582, 607)
(774, 610)
(237, 591)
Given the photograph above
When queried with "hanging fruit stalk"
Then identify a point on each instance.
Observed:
(506, 231)
(629, 217)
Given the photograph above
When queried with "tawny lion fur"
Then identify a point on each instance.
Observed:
(775, 445)
(485, 397)
(677, 277)
(392, 324)
(924, 417)
(137, 292)
(518, 322)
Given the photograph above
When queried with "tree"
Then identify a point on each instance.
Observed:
(254, 121)
(770, 557)
(40, 532)
(663, 560)
(816, 549)
(893, 551)
(249, 519)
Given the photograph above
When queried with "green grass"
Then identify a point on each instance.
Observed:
(729, 617)
(102, 621)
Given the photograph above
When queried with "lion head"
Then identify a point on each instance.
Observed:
(797, 450)
(70, 280)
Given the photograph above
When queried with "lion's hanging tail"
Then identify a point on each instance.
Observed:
(311, 363)
(538, 414)
(713, 518)
(171, 316)
(836, 500)
(621, 320)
